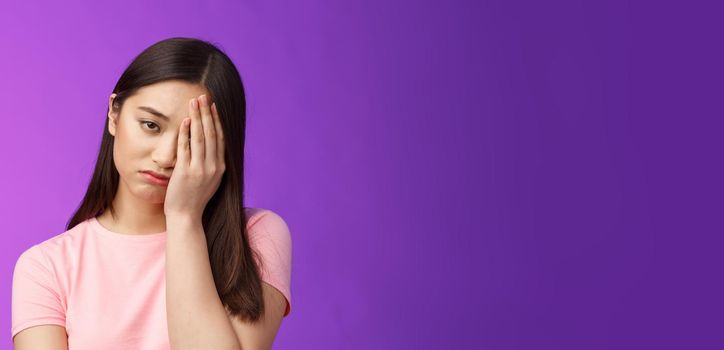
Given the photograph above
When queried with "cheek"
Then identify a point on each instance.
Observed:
(129, 152)
(120, 156)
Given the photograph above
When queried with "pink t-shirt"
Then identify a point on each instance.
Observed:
(108, 289)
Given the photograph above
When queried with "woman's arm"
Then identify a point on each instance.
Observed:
(43, 337)
(196, 317)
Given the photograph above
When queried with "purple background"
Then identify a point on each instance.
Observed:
(499, 175)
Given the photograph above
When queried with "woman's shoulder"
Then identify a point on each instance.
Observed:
(256, 215)
(266, 222)
(56, 246)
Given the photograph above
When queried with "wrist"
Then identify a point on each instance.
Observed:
(183, 219)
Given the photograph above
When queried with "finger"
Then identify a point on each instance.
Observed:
(197, 135)
(209, 132)
(182, 157)
(219, 134)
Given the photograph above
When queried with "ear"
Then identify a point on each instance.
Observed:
(112, 116)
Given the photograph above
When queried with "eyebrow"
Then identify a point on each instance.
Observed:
(154, 112)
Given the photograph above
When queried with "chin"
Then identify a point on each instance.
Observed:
(151, 193)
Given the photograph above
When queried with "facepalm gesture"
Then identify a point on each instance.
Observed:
(199, 161)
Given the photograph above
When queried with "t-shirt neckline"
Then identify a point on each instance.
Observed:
(147, 237)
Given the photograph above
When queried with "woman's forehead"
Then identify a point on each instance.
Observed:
(168, 98)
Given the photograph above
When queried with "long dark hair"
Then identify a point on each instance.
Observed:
(235, 270)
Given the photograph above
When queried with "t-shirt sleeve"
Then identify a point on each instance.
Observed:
(270, 237)
(36, 299)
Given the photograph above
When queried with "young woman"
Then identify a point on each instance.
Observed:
(162, 253)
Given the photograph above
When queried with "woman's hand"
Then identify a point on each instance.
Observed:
(199, 161)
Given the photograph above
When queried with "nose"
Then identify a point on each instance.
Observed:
(164, 155)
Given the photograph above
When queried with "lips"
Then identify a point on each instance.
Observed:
(156, 175)
(152, 178)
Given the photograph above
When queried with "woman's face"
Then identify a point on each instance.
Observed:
(144, 141)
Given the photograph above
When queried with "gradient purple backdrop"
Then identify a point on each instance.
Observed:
(455, 175)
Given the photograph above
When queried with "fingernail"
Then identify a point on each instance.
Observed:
(202, 98)
(194, 103)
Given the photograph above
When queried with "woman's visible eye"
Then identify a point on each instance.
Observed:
(145, 123)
